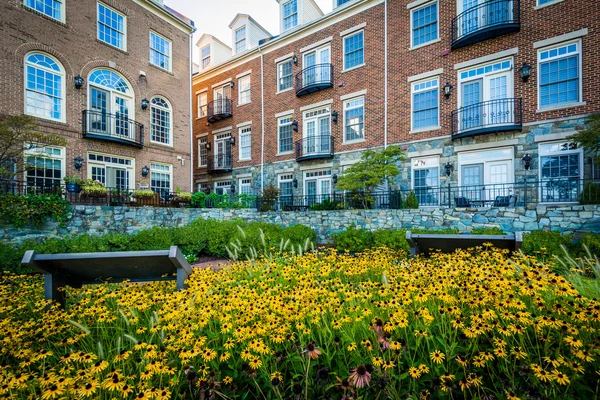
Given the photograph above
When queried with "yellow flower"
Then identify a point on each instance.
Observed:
(437, 356)
(560, 377)
(377, 361)
(352, 346)
(388, 365)
(227, 380)
(414, 372)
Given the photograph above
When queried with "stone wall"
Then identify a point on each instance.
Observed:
(102, 220)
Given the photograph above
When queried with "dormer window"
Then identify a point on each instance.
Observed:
(240, 39)
(205, 56)
(340, 2)
(290, 14)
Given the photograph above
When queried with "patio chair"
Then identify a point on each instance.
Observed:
(462, 202)
(505, 201)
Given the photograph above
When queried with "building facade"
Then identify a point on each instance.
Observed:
(113, 78)
(470, 89)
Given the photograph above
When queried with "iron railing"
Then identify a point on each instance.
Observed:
(114, 127)
(312, 147)
(219, 109)
(314, 78)
(487, 117)
(486, 20)
(220, 162)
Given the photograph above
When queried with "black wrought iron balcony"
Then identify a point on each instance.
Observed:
(116, 128)
(486, 20)
(219, 109)
(314, 78)
(314, 147)
(487, 117)
(219, 163)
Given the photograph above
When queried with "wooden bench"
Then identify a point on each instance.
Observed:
(76, 269)
(422, 243)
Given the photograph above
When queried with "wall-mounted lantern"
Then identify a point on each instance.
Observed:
(78, 163)
(449, 169)
(295, 60)
(207, 145)
(527, 159)
(145, 104)
(232, 140)
(334, 117)
(78, 81)
(525, 72)
(295, 183)
(447, 90)
(295, 126)
(145, 171)
(334, 179)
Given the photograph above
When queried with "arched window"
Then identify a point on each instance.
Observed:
(160, 121)
(44, 87)
(111, 105)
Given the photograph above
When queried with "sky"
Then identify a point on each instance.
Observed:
(214, 16)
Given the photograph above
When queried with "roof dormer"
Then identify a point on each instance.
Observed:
(293, 13)
(212, 51)
(246, 33)
(337, 3)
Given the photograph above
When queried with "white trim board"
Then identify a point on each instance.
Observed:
(488, 145)
(561, 38)
(355, 94)
(316, 44)
(425, 75)
(284, 113)
(488, 58)
(316, 105)
(353, 29)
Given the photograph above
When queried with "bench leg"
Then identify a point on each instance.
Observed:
(182, 275)
(54, 289)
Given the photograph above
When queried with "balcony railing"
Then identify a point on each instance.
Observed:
(314, 147)
(484, 21)
(219, 163)
(487, 117)
(116, 128)
(219, 109)
(314, 78)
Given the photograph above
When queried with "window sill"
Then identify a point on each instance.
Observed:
(355, 67)
(199, 118)
(161, 69)
(243, 104)
(202, 166)
(111, 46)
(560, 107)
(152, 142)
(427, 129)
(42, 120)
(424, 44)
(284, 90)
(244, 159)
(287, 153)
(547, 4)
(353, 141)
(46, 16)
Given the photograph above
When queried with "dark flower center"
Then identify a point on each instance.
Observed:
(361, 370)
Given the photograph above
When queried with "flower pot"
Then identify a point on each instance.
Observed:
(73, 187)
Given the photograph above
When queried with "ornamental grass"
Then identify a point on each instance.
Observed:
(471, 325)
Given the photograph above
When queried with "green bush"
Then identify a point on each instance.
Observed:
(592, 241)
(412, 201)
(326, 205)
(393, 239)
(33, 209)
(353, 240)
(488, 231)
(546, 243)
(198, 200)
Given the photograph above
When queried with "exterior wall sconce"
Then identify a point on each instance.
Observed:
(334, 117)
(295, 126)
(145, 171)
(232, 140)
(232, 84)
(527, 159)
(334, 179)
(233, 188)
(525, 72)
(207, 145)
(449, 169)
(295, 183)
(448, 90)
(145, 104)
(295, 60)
(78, 163)
(78, 81)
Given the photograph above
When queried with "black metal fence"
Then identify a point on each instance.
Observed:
(485, 16)
(315, 147)
(220, 162)
(118, 127)
(219, 109)
(488, 116)
(314, 77)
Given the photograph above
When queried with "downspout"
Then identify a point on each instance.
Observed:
(262, 120)
(385, 75)
(191, 117)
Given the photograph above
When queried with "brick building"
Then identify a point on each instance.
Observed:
(112, 77)
(469, 89)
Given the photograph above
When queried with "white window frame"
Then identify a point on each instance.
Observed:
(279, 125)
(42, 153)
(423, 163)
(542, 152)
(279, 89)
(224, 184)
(242, 91)
(344, 50)
(487, 156)
(202, 59)
(242, 132)
(318, 176)
(244, 39)
(169, 110)
(245, 183)
(169, 56)
(570, 104)
(170, 166)
(283, 17)
(543, 5)
(346, 108)
(61, 74)
(61, 10)
(124, 33)
(412, 103)
(202, 107)
(415, 9)
(130, 168)
(202, 149)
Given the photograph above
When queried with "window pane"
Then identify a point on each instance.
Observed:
(284, 74)
(111, 27)
(425, 24)
(44, 97)
(354, 50)
(52, 8)
(160, 51)
(285, 138)
(559, 81)
(160, 121)
(425, 109)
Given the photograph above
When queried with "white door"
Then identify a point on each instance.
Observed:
(316, 66)
(498, 177)
(317, 189)
(220, 97)
(471, 113)
(122, 126)
(498, 110)
(317, 135)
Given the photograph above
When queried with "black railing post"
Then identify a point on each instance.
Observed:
(449, 196)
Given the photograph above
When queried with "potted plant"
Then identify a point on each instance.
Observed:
(92, 188)
(143, 185)
(182, 197)
(143, 194)
(73, 184)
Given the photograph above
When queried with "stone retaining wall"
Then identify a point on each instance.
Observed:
(100, 220)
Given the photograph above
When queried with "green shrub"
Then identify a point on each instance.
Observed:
(33, 209)
(412, 201)
(544, 243)
(592, 242)
(393, 239)
(325, 205)
(268, 198)
(297, 234)
(198, 200)
(488, 231)
(353, 240)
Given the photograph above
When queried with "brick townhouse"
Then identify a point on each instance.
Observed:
(113, 77)
(480, 94)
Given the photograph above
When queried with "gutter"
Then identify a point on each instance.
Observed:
(191, 62)
(262, 120)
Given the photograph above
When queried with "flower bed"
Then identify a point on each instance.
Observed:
(319, 326)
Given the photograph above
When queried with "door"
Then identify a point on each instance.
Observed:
(220, 97)
(317, 189)
(316, 66)
(317, 136)
(499, 110)
(117, 178)
(223, 153)
(470, 20)
(98, 118)
(122, 128)
(472, 95)
(472, 182)
(498, 178)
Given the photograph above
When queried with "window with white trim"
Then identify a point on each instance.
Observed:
(354, 119)
(202, 152)
(244, 90)
(559, 75)
(240, 39)
(284, 75)
(52, 8)
(245, 149)
(340, 2)
(202, 104)
(542, 2)
(112, 27)
(161, 178)
(44, 87)
(45, 166)
(286, 188)
(561, 170)
(223, 187)
(317, 186)
(246, 186)
(426, 180)
(160, 121)
(284, 137)
(203, 187)
(290, 14)
(111, 170)
(354, 50)
(317, 132)
(424, 22)
(160, 51)
(205, 56)
(425, 104)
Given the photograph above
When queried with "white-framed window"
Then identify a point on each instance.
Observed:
(52, 8)
(290, 14)
(161, 178)
(111, 170)
(44, 87)
(285, 182)
(561, 171)
(284, 135)
(223, 187)
(246, 186)
(425, 104)
(559, 77)
(284, 75)
(240, 39)
(317, 186)
(424, 24)
(112, 27)
(205, 56)
(317, 132)
(426, 180)
(354, 119)
(354, 50)
(203, 187)
(245, 141)
(160, 121)
(340, 2)
(202, 152)
(244, 87)
(45, 166)
(544, 2)
(160, 51)
(202, 100)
